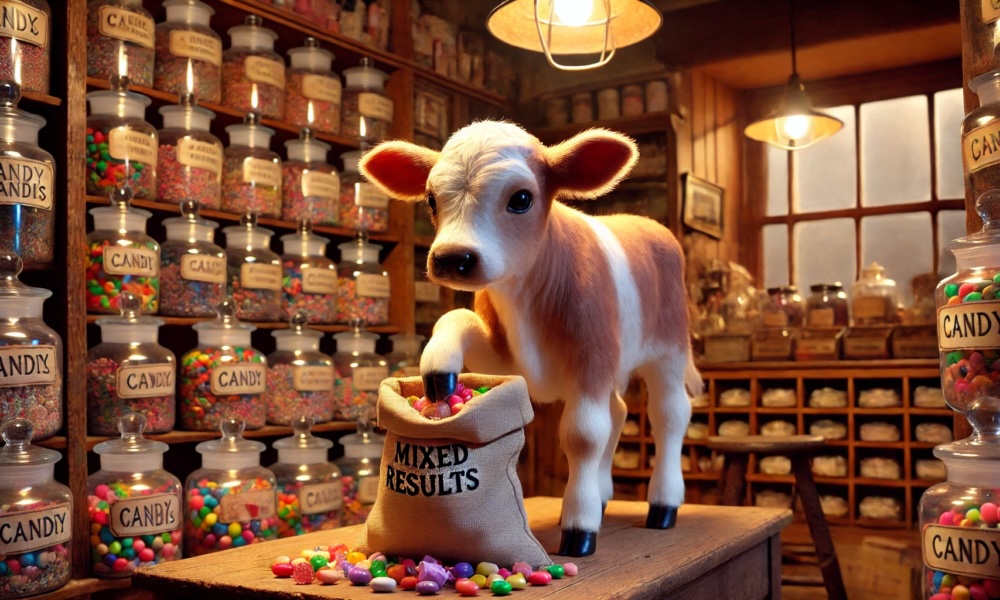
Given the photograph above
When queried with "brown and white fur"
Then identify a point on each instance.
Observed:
(572, 303)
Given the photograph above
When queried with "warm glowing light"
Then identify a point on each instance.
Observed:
(190, 78)
(573, 12)
(794, 127)
(362, 130)
(253, 97)
(122, 61)
(16, 52)
(310, 117)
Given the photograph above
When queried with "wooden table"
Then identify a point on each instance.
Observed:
(713, 552)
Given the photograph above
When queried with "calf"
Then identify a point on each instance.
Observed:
(572, 303)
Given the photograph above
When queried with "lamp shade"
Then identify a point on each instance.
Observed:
(795, 125)
(578, 26)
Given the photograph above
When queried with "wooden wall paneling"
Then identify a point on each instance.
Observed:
(710, 135)
(729, 141)
(699, 162)
(400, 262)
(969, 16)
(681, 119)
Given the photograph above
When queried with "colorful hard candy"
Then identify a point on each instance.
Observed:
(518, 581)
(540, 578)
(501, 588)
(427, 588)
(467, 587)
(383, 584)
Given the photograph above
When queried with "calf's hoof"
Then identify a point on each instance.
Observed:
(438, 386)
(577, 542)
(661, 516)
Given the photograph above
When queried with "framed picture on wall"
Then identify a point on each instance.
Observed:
(703, 208)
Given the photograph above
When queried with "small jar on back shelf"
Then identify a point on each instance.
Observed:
(360, 467)
(121, 145)
(827, 306)
(363, 286)
(366, 112)
(784, 308)
(253, 271)
(192, 267)
(253, 74)
(309, 284)
(189, 52)
(300, 378)
(359, 372)
(404, 360)
(26, 46)
(251, 175)
(189, 160)
(980, 130)
(362, 205)
(121, 38)
(873, 298)
(310, 185)
(310, 490)
(314, 90)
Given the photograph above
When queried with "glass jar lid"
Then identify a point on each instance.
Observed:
(296, 329)
(307, 148)
(363, 444)
(365, 76)
(130, 326)
(11, 287)
(360, 250)
(189, 225)
(120, 215)
(232, 442)
(782, 289)
(13, 118)
(302, 447)
(357, 340)
(252, 34)
(250, 133)
(186, 114)
(836, 286)
(247, 233)
(407, 343)
(966, 459)
(225, 320)
(311, 56)
(985, 243)
(18, 451)
(131, 442)
(304, 242)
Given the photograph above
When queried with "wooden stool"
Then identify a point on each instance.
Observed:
(798, 448)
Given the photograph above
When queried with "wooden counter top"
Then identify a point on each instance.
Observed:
(713, 551)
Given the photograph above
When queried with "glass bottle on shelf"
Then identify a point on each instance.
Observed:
(314, 90)
(310, 490)
(188, 51)
(360, 472)
(130, 372)
(253, 272)
(980, 129)
(27, 215)
(134, 505)
(827, 306)
(121, 39)
(121, 145)
(32, 500)
(238, 493)
(404, 360)
(310, 185)
(359, 372)
(189, 160)
(873, 298)
(366, 113)
(36, 392)
(300, 378)
(783, 309)
(253, 74)
(362, 205)
(192, 267)
(362, 284)
(25, 47)
(309, 284)
(251, 175)
(121, 257)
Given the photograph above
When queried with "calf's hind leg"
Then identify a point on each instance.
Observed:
(669, 412)
(584, 430)
(618, 414)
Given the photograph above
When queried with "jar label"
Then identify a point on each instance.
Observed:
(265, 70)
(258, 276)
(322, 88)
(427, 292)
(368, 378)
(260, 171)
(200, 155)
(872, 307)
(128, 25)
(27, 182)
(27, 365)
(320, 498)
(23, 22)
(199, 46)
(821, 317)
(774, 319)
(963, 551)
(145, 381)
(146, 515)
(375, 106)
(317, 280)
(202, 267)
(991, 10)
(246, 506)
(314, 378)
(125, 143)
(981, 147)
(969, 326)
(367, 195)
(367, 489)
(142, 262)
(32, 530)
(238, 379)
(318, 183)
(372, 286)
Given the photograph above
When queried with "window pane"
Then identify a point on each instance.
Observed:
(775, 255)
(895, 152)
(826, 175)
(902, 244)
(825, 251)
(949, 109)
(951, 225)
(777, 181)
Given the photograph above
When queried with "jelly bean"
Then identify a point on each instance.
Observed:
(978, 592)
(282, 569)
(960, 592)
(427, 588)
(501, 588)
(504, 573)
(479, 579)
(972, 297)
(462, 570)
(540, 578)
(383, 584)
(523, 568)
(466, 587)
(557, 571)
(408, 583)
(317, 562)
(359, 575)
(965, 289)
(518, 581)
(950, 290)
(397, 572)
(570, 569)
(355, 557)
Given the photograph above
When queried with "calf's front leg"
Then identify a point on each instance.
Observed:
(585, 430)
(460, 338)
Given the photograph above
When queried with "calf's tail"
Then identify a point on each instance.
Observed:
(692, 378)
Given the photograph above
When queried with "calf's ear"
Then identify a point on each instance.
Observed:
(590, 164)
(399, 169)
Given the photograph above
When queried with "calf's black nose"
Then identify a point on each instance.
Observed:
(457, 264)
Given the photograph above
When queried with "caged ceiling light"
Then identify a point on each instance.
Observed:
(562, 27)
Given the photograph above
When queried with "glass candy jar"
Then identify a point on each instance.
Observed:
(309, 283)
(362, 284)
(238, 493)
(253, 272)
(366, 112)
(121, 257)
(121, 145)
(980, 131)
(362, 205)
(31, 377)
(32, 500)
(190, 158)
(873, 298)
(134, 505)
(192, 267)
(827, 306)
(25, 45)
(299, 377)
(253, 74)
(359, 372)
(130, 372)
(310, 185)
(784, 308)
(224, 376)
(404, 360)
(251, 175)
(426, 294)
(310, 492)
(359, 469)
(314, 90)
(189, 52)
(121, 38)
(27, 194)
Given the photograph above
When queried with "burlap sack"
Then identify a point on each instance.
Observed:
(449, 488)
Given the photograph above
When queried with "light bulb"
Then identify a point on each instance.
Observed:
(573, 13)
(794, 127)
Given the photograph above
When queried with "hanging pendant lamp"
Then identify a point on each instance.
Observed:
(795, 125)
(561, 27)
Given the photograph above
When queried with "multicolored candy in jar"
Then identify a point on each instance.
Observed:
(230, 501)
(359, 467)
(253, 74)
(251, 173)
(120, 40)
(359, 373)
(188, 51)
(136, 518)
(311, 186)
(121, 145)
(253, 272)
(299, 377)
(190, 157)
(310, 497)
(224, 376)
(363, 286)
(192, 267)
(314, 90)
(404, 360)
(309, 285)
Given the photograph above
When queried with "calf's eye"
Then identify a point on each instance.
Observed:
(520, 202)
(432, 203)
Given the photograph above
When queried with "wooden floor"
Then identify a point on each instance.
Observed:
(874, 563)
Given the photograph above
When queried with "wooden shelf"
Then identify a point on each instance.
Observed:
(632, 473)
(268, 431)
(423, 241)
(187, 321)
(56, 442)
(932, 412)
(703, 476)
(863, 444)
(877, 482)
(798, 369)
(658, 122)
(82, 587)
(41, 98)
